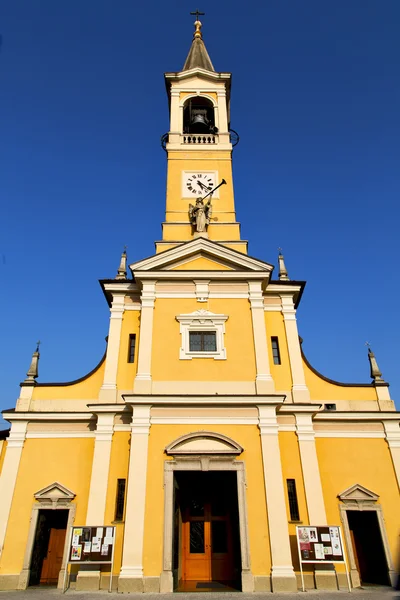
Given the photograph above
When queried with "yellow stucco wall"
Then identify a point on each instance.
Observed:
(344, 462)
(323, 390)
(127, 371)
(240, 363)
(202, 264)
(281, 374)
(249, 438)
(88, 388)
(67, 461)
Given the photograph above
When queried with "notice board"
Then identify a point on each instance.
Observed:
(320, 544)
(91, 545)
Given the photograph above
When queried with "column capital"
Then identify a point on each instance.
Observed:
(148, 295)
(392, 431)
(304, 427)
(17, 435)
(267, 420)
(104, 427)
(255, 295)
(288, 309)
(140, 424)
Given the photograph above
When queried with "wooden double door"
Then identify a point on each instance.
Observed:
(209, 519)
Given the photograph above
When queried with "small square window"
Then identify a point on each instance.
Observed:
(202, 341)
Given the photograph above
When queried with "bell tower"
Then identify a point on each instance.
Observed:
(199, 154)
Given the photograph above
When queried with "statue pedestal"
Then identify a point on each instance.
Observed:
(202, 234)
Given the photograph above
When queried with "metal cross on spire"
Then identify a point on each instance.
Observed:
(37, 345)
(197, 13)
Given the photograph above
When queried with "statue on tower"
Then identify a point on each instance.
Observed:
(200, 214)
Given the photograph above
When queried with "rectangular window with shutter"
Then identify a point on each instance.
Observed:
(120, 500)
(275, 350)
(293, 504)
(131, 347)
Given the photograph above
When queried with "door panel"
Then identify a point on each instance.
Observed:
(208, 554)
(53, 560)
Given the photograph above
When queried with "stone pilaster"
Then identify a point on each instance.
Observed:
(300, 390)
(108, 391)
(264, 381)
(392, 430)
(283, 578)
(131, 576)
(88, 578)
(9, 473)
(143, 376)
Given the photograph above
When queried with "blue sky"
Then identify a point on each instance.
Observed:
(315, 99)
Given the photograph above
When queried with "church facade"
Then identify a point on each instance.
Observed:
(203, 436)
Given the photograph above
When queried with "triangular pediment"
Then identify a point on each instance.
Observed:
(201, 254)
(55, 493)
(358, 493)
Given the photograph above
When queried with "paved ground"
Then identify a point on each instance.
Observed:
(50, 594)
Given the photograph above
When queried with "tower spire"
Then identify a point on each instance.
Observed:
(198, 56)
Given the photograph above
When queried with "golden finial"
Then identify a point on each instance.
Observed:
(197, 23)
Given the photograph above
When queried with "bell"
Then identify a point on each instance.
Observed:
(200, 121)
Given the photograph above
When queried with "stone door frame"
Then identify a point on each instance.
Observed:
(52, 497)
(361, 499)
(204, 463)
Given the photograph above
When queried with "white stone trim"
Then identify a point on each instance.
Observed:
(132, 554)
(264, 381)
(310, 468)
(392, 434)
(53, 416)
(133, 306)
(9, 473)
(300, 390)
(160, 261)
(202, 289)
(108, 390)
(143, 376)
(202, 320)
(193, 444)
(100, 469)
(39, 435)
(282, 573)
(242, 400)
(358, 416)
(350, 434)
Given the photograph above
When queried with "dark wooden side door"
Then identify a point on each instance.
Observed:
(52, 561)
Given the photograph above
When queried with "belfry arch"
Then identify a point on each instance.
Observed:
(199, 115)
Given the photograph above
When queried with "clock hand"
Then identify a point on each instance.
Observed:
(202, 185)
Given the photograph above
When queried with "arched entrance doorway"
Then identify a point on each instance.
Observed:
(205, 515)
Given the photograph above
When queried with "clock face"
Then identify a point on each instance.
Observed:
(197, 184)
